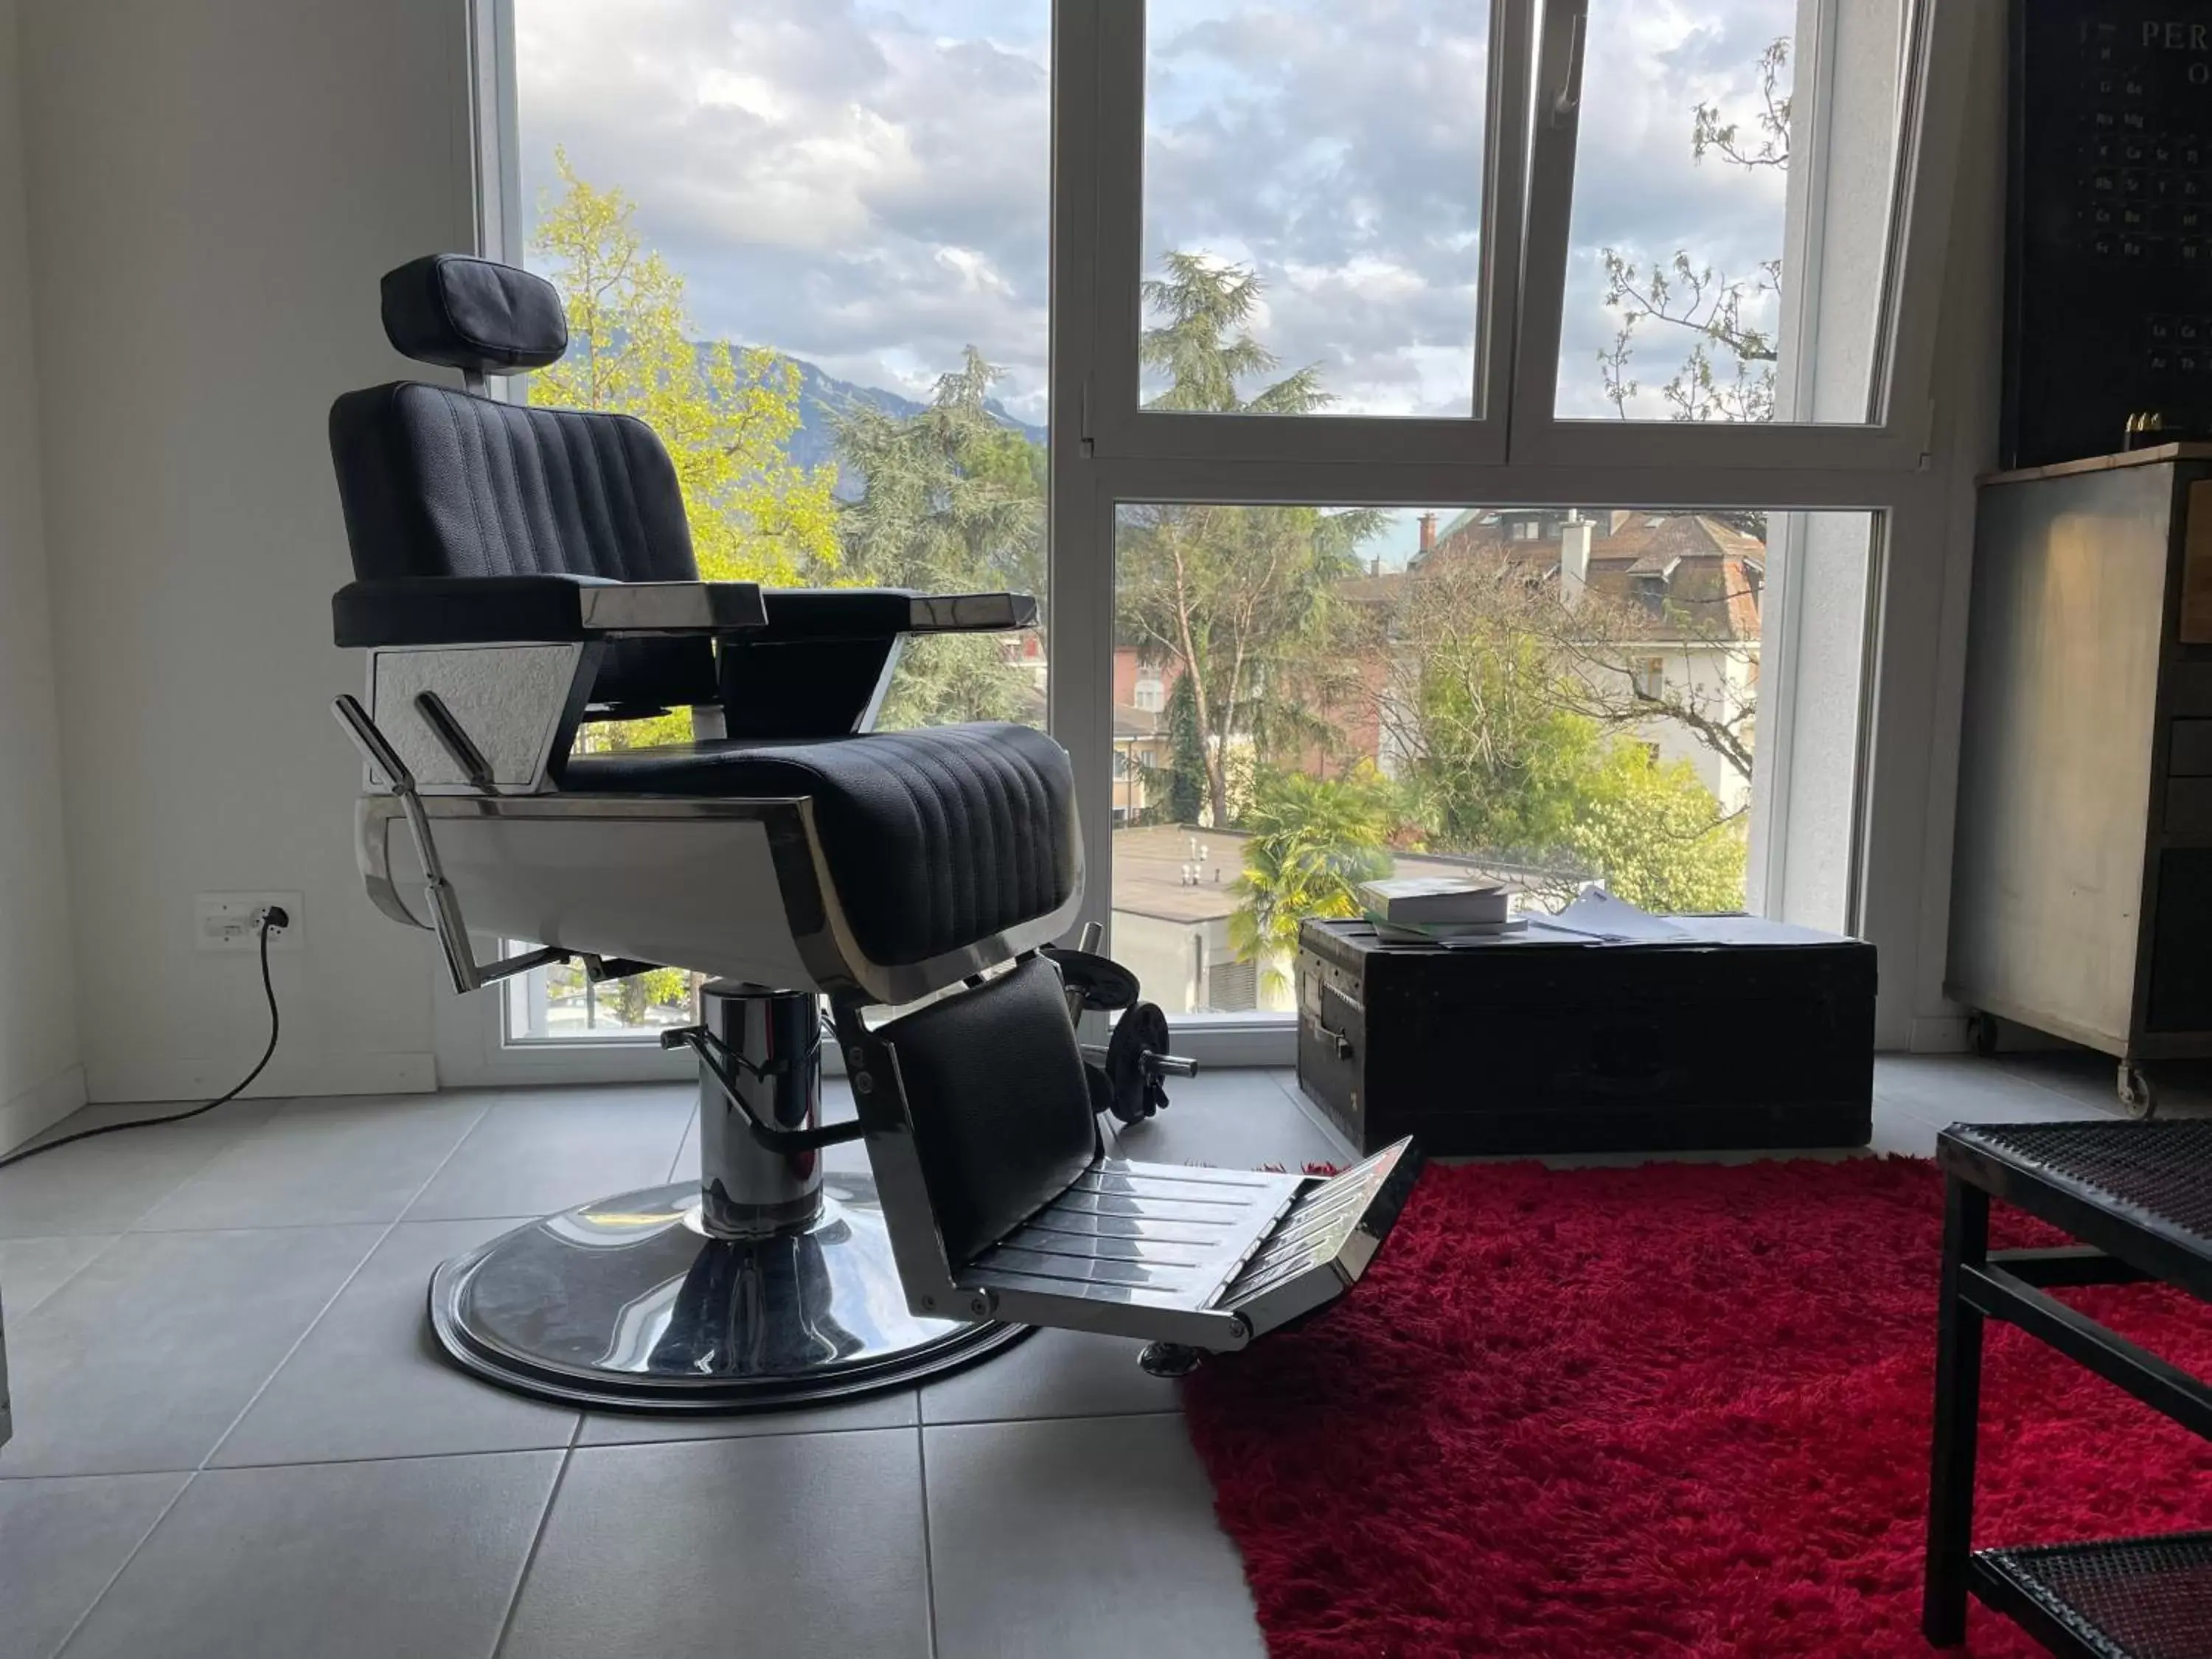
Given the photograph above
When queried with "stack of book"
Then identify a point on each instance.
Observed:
(1427, 909)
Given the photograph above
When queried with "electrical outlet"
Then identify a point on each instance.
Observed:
(231, 921)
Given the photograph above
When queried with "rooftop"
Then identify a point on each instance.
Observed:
(1698, 576)
(1149, 865)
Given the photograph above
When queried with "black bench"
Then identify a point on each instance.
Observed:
(2138, 1197)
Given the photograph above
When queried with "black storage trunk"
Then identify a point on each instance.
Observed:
(1743, 1033)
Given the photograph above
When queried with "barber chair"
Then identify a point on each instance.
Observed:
(522, 570)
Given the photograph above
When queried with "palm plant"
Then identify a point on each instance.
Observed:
(1314, 842)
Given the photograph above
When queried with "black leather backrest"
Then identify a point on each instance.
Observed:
(1001, 1110)
(441, 482)
(472, 314)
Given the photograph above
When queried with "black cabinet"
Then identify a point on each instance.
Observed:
(1739, 1033)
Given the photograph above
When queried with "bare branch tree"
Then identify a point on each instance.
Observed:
(1696, 298)
(1725, 139)
(1591, 660)
(1613, 366)
(1604, 640)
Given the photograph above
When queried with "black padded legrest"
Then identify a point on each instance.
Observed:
(471, 313)
(1001, 1110)
(438, 483)
(935, 839)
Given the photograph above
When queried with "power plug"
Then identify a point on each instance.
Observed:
(234, 921)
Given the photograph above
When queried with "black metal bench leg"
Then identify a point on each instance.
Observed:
(1958, 1409)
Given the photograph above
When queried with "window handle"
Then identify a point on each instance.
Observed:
(1567, 102)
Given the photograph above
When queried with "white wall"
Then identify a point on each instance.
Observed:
(214, 190)
(40, 1079)
(1970, 353)
(1163, 956)
(1707, 679)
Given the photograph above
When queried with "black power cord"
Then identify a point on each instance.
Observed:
(271, 919)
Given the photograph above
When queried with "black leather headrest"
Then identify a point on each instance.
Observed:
(474, 314)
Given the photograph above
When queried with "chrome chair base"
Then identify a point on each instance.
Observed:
(628, 1304)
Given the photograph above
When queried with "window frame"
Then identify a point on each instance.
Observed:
(1896, 435)
(469, 1037)
(1509, 451)
(1105, 43)
(1128, 455)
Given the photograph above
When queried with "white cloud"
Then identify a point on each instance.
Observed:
(867, 185)
(848, 185)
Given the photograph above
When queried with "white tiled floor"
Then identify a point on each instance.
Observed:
(233, 1438)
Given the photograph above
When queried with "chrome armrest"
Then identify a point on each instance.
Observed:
(442, 611)
(649, 608)
(971, 613)
(812, 616)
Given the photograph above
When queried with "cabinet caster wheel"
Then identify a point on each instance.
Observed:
(1982, 1034)
(2135, 1092)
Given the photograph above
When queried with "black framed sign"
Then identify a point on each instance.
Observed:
(2109, 284)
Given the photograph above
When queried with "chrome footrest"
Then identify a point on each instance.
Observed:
(1210, 1258)
(1323, 1246)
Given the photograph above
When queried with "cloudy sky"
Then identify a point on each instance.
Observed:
(865, 184)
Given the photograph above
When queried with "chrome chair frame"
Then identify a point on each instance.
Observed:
(485, 538)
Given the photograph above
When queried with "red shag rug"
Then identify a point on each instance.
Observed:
(1676, 1409)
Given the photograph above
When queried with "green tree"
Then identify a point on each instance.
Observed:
(949, 495)
(725, 418)
(1184, 776)
(1313, 840)
(1508, 765)
(1201, 341)
(1235, 596)
(1604, 636)
(1654, 834)
(1500, 757)
(952, 499)
(655, 989)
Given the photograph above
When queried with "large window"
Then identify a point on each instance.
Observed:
(1609, 326)
(1537, 697)
(1716, 142)
(560, 1003)
(810, 249)
(1312, 189)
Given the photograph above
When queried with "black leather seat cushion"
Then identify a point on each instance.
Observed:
(935, 838)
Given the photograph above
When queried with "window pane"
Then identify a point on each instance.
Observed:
(560, 1005)
(1312, 203)
(1726, 250)
(809, 247)
(1538, 698)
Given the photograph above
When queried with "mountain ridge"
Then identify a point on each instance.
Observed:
(823, 398)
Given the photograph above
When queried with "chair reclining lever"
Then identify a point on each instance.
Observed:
(446, 919)
(717, 1057)
(453, 738)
